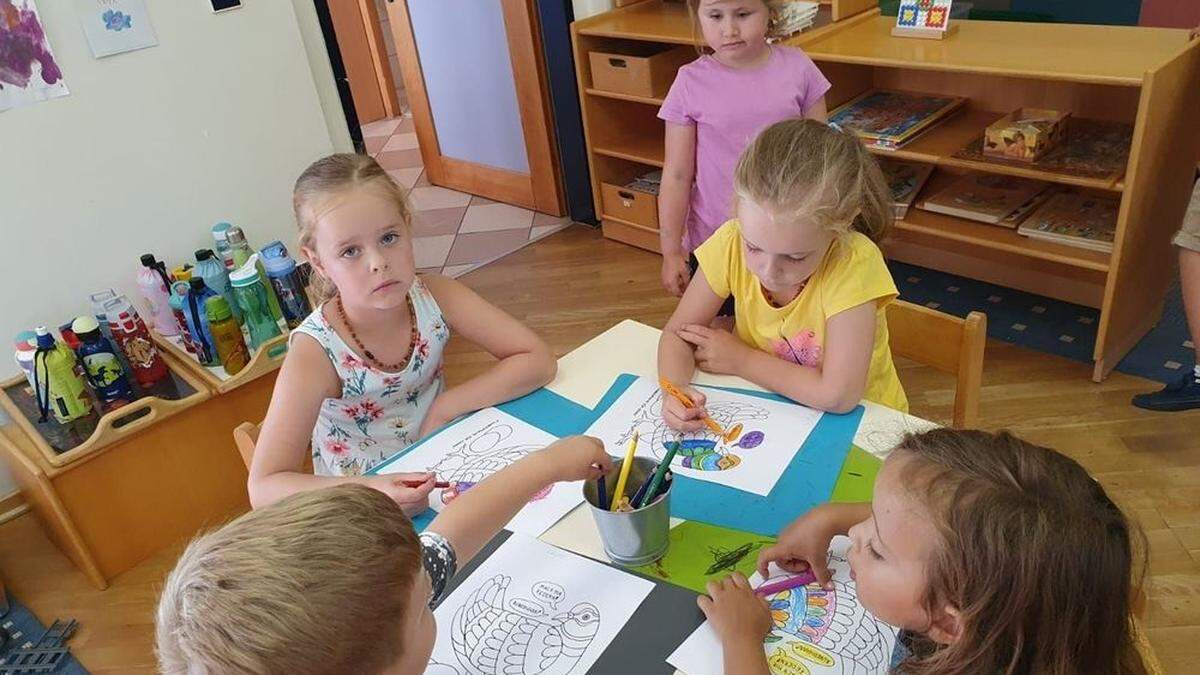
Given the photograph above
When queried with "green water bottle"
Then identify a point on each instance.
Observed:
(57, 386)
(252, 297)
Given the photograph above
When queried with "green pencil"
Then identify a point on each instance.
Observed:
(658, 475)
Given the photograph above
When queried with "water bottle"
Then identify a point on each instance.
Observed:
(100, 363)
(239, 250)
(227, 335)
(98, 299)
(26, 345)
(220, 236)
(56, 385)
(216, 278)
(252, 295)
(133, 337)
(179, 291)
(155, 288)
(197, 318)
(182, 273)
(285, 281)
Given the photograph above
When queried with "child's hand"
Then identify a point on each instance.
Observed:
(412, 500)
(576, 458)
(802, 545)
(737, 615)
(717, 351)
(675, 273)
(680, 417)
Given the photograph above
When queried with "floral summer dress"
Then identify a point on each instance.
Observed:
(379, 413)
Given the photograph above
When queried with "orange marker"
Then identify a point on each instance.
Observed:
(678, 395)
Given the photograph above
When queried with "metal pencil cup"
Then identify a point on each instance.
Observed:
(633, 537)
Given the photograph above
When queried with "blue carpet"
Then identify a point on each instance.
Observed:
(25, 628)
(1049, 325)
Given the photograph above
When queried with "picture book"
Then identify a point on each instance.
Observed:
(889, 119)
(905, 180)
(1076, 219)
(985, 197)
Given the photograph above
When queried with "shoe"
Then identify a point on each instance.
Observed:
(1183, 394)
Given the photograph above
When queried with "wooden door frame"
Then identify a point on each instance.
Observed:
(365, 45)
(541, 188)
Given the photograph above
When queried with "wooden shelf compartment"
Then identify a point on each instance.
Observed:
(654, 101)
(626, 130)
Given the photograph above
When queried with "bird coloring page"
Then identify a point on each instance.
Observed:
(533, 609)
(760, 436)
(473, 449)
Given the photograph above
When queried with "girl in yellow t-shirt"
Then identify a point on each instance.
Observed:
(809, 285)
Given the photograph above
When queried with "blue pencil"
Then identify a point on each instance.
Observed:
(602, 492)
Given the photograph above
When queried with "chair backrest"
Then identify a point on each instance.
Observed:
(947, 343)
(245, 436)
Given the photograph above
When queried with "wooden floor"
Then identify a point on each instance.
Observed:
(575, 284)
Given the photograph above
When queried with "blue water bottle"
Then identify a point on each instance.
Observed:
(285, 280)
(100, 363)
(216, 277)
(197, 319)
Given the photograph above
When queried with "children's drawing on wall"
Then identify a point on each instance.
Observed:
(115, 26)
(533, 609)
(473, 449)
(815, 631)
(28, 70)
(757, 441)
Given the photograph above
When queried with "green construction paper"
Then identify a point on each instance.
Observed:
(694, 549)
(857, 479)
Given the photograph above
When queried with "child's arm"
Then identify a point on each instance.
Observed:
(837, 385)
(804, 543)
(475, 516)
(525, 362)
(675, 359)
(674, 193)
(818, 111)
(305, 380)
(741, 620)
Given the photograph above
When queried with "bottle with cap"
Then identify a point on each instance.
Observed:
(26, 345)
(220, 236)
(227, 335)
(182, 273)
(179, 291)
(285, 281)
(155, 289)
(98, 299)
(196, 313)
(100, 363)
(133, 337)
(58, 388)
(239, 250)
(252, 295)
(216, 277)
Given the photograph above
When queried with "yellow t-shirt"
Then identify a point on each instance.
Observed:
(852, 273)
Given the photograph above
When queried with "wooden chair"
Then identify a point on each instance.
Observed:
(947, 343)
(245, 436)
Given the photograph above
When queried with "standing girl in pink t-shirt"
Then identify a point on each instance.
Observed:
(716, 106)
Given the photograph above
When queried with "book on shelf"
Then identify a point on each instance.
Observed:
(905, 179)
(889, 119)
(793, 16)
(1092, 149)
(1075, 219)
(985, 197)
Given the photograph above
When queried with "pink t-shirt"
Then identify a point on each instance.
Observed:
(729, 106)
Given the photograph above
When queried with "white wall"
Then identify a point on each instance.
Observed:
(153, 147)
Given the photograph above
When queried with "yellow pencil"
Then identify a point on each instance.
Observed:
(624, 477)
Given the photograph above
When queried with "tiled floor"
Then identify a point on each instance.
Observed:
(453, 232)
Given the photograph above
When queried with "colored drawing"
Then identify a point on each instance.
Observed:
(925, 14)
(469, 451)
(699, 553)
(765, 435)
(28, 70)
(532, 609)
(815, 631)
(889, 119)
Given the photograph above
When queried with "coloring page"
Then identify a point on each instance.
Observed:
(533, 609)
(761, 436)
(479, 446)
(816, 631)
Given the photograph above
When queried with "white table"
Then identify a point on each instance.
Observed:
(585, 374)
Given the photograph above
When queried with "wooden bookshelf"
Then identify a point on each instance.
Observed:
(1144, 77)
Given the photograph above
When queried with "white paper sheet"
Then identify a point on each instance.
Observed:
(479, 446)
(830, 634)
(115, 26)
(29, 72)
(771, 434)
(882, 429)
(532, 608)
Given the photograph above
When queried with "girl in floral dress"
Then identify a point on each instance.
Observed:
(363, 375)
